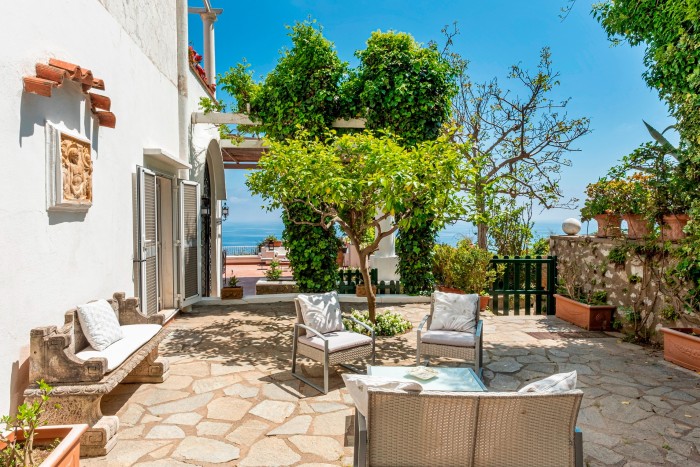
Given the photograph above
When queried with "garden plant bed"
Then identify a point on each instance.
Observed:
(589, 317)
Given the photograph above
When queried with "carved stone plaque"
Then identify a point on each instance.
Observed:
(69, 171)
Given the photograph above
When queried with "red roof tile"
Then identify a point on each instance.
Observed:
(53, 75)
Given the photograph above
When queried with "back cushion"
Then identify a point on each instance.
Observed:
(454, 312)
(321, 311)
(99, 324)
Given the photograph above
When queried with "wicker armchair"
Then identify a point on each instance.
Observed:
(332, 348)
(451, 344)
(469, 429)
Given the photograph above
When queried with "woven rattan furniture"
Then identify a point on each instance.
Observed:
(322, 347)
(466, 349)
(469, 429)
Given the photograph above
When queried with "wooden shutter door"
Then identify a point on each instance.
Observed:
(190, 251)
(147, 244)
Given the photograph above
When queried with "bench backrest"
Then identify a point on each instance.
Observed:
(471, 429)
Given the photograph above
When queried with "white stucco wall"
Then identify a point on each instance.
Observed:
(51, 262)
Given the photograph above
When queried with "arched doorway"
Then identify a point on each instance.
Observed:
(207, 210)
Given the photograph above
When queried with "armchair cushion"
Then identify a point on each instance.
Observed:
(561, 382)
(454, 312)
(100, 324)
(321, 312)
(135, 335)
(358, 386)
(453, 338)
(337, 340)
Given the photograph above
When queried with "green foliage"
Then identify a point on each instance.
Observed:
(401, 87)
(618, 255)
(300, 93)
(275, 272)
(510, 228)
(414, 247)
(465, 267)
(312, 250)
(26, 421)
(669, 313)
(540, 247)
(388, 323)
(634, 278)
(233, 281)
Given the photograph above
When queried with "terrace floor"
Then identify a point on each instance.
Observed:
(230, 398)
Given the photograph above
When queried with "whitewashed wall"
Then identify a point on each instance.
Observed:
(51, 262)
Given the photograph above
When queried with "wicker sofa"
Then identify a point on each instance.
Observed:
(469, 429)
(80, 375)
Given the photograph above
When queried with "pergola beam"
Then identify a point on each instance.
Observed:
(220, 118)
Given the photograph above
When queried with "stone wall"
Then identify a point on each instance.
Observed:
(639, 284)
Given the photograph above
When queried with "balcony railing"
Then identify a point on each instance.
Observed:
(241, 250)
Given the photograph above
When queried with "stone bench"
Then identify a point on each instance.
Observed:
(80, 375)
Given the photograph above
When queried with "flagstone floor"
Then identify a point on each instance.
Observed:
(230, 398)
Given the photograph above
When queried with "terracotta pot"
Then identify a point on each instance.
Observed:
(608, 225)
(361, 290)
(340, 259)
(277, 244)
(637, 226)
(590, 317)
(681, 347)
(67, 453)
(445, 289)
(672, 227)
(231, 293)
(484, 301)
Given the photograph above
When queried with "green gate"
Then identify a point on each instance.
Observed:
(524, 283)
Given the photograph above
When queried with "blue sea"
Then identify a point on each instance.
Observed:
(236, 233)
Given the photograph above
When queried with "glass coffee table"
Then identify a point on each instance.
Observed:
(447, 379)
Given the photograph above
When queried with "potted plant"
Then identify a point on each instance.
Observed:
(232, 291)
(463, 269)
(635, 204)
(29, 443)
(581, 304)
(682, 347)
(602, 204)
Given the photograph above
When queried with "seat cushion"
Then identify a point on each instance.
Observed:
(358, 385)
(135, 335)
(561, 382)
(99, 324)
(338, 340)
(454, 312)
(453, 338)
(321, 312)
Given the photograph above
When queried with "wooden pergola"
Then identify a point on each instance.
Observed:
(246, 154)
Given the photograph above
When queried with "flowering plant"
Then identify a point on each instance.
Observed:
(603, 197)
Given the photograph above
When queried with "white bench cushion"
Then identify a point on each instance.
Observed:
(358, 385)
(135, 335)
(100, 324)
(321, 312)
(339, 340)
(453, 338)
(454, 312)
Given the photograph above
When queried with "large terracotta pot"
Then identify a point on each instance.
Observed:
(682, 347)
(446, 289)
(590, 317)
(637, 226)
(672, 227)
(608, 225)
(484, 302)
(231, 293)
(67, 453)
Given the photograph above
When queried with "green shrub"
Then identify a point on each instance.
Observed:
(465, 267)
(618, 255)
(414, 247)
(274, 273)
(389, 323)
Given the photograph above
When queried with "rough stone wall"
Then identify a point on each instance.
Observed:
(637, 285)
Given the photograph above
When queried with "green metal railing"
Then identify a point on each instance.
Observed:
(350, 278)
(524, 283)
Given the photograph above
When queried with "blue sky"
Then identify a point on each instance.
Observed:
(603, 82)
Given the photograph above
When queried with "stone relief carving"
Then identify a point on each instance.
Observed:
(76, 167)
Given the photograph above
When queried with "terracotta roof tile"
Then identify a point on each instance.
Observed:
(53, 75)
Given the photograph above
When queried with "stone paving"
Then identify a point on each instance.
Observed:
(230, 398)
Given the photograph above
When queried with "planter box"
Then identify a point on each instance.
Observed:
(67, 453)
(361, 291)
(672, 227)
(681, 347)
(266, 287)
(231, 293)
(590, 317)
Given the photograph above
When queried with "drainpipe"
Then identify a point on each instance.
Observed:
(182, 70)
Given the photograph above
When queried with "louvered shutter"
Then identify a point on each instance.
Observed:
(190, 251)
(147, 245)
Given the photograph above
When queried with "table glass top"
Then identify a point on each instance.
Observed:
(447, 379)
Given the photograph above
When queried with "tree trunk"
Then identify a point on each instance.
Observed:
(481, 227)
(371, 298)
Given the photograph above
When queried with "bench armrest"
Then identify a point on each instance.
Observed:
(130, 312)
(361, 324)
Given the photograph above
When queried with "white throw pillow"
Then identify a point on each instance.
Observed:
(321, 312)
(561, 382)
(99, 323)
(358, 385)
(454, 312)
